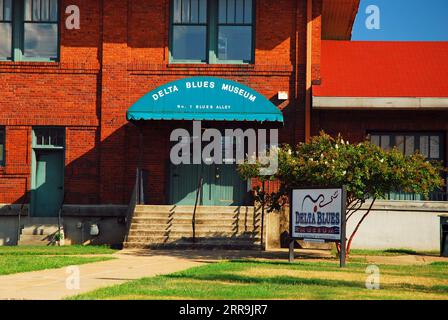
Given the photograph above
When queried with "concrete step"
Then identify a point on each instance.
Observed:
(199, 220)
(188, 239)
(185, 214)
(224, 227)
(190, 209)
(215, 215)
(35, 240)
(200, 245)
(189, 233)
(39, 229)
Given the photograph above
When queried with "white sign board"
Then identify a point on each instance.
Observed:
(317, 214)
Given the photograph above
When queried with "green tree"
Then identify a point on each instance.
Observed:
(367, 172)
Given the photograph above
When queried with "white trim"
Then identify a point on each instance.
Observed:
(379, 103)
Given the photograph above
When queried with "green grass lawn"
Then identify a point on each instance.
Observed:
(27, 258)
(390, 252)
(55, 250)
(249, 279)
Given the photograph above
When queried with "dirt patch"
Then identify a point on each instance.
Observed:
(403, 260)
(341, 275)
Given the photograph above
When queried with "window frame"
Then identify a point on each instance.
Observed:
(212, 37)
(417, 134)
(50, 129)
(18, 22)
(3, 144)
(11, 22)
(171, 36)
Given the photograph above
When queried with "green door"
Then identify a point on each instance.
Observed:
(222, 186)
(48, 192)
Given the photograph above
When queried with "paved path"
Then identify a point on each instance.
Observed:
(51, 284)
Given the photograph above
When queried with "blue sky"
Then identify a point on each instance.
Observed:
(406, 20)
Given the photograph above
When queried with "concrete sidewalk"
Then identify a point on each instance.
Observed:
(51, 284)
(128, 265)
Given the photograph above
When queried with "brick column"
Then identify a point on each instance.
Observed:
(114, 101)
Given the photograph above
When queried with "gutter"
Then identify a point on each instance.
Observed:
(308, 83)
(381, 103)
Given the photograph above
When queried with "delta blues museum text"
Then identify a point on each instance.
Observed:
(322, 222)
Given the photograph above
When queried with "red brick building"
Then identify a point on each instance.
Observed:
(120, 53)
(65, 92)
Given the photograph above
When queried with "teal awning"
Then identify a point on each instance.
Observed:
(204, 98)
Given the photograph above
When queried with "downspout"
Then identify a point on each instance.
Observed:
(309, 52)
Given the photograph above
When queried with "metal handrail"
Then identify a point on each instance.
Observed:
(193, 220)
(137, 197)
(19, 219)
(60, 217)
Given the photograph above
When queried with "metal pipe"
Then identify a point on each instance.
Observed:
(309, 52)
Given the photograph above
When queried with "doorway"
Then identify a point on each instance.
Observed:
(47, 192)
(222, 186)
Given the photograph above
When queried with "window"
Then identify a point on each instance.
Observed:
(212, 31)
(49, 137)
(2, 147)
(5, 29)
(428, 144)
(235, 30)
(190, 30)
(29, 30)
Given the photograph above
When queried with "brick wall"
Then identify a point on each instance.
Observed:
(119, 54)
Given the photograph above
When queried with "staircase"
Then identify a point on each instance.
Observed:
(38, 231)
(216, 227)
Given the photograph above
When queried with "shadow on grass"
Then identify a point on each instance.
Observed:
(281, 280)
(219, 274)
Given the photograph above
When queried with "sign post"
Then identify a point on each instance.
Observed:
(318, 215)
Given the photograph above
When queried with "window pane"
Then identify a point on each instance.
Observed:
(235, 43)
(194, 11)
(434, 147)
(222, 11)
(230, 11)
(36, 10)
(7, 10)
(28, 10)
(202, 11)
(189, 43)
(185, 11)
(45, 10)
(239, 11)
(5, 40)
(399, 143)
(248, 11)
(424, 145)
(385, 142)
(41, 40)
(56, 137)
(177, 10)
(409, 145)
(375, 140)
(54, 10)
